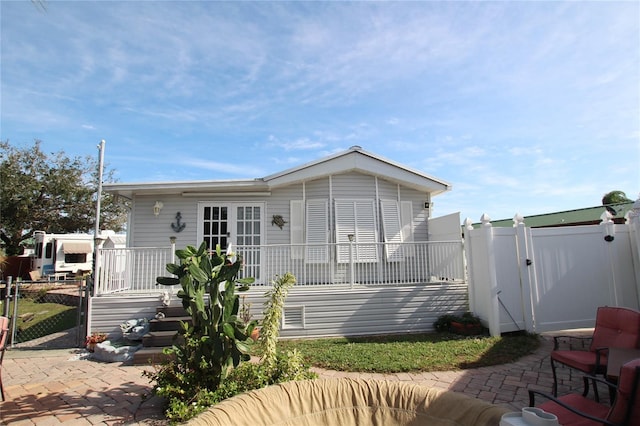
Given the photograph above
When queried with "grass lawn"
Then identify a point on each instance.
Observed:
(37, 319)
(413, 352)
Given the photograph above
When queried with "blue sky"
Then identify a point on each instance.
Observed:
(524, 107)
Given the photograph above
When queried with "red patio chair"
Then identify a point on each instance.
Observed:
(4, 334)
(578, 410)
(615, 328)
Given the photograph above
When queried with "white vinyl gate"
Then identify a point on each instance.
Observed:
(547, 279)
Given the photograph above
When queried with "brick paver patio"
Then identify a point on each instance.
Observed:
(49, 387)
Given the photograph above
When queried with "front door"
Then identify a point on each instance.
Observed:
(239, 224)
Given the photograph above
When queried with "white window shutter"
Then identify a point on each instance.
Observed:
(366, 232)
(345, 225)
(317, 235)
(296, 226)
(356, 218)
(392, 230)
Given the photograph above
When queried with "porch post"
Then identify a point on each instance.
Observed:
(351, 280)
(173, 249)
(172, 240)
(97, 267)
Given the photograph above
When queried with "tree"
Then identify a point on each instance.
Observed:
(615, 197)
(51, 193)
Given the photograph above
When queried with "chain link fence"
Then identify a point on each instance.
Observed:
(45, 314)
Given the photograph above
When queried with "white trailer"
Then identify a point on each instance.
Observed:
(61, 256)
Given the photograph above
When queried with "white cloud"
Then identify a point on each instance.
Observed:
(515, 104)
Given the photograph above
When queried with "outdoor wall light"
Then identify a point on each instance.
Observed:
(157, 207)
(350, 237)
(172, 240)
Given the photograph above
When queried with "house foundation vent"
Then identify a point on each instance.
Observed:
(293, 317)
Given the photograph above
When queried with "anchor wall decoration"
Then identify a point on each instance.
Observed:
(178, 226)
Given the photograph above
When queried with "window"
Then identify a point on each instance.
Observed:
(215, 223)
(75, 258)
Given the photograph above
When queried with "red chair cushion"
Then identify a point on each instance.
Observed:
(567, 418)
(581, 360)
(616, 328)
(626, 383)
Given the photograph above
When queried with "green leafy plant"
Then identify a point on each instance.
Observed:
(274, 305)
(245, 311)
(443, 323)
(208, 366)
(467, 323)
(216, 339)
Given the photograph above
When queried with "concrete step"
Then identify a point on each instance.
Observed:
(167, 323)
(146, 356)
(161, 338)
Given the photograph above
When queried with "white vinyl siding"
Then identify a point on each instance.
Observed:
(317, 231)
(406, 220)
(357, 218)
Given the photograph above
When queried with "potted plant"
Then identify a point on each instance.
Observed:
(466, 324)
(95, 338)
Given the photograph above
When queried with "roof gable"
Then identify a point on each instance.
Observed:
(353, 159)
(356, 159)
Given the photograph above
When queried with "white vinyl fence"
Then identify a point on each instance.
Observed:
(548, 279)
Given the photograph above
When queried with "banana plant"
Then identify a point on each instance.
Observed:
(217, 337)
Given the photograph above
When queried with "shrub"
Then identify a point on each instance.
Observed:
(208, 366)
(443, 323)
(217, 339)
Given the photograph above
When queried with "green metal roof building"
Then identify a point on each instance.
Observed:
(586, 216)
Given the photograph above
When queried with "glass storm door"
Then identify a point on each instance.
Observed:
(216, 226)
(248, 232)
(239, 224)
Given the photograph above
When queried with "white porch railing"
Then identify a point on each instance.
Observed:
(132, 269)
(371, 264)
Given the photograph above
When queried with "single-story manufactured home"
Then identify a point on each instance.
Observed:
(354, 228)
